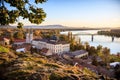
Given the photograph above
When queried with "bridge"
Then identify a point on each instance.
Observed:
(92, 35)
(84, 33)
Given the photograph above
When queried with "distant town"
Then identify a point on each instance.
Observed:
(64, 48)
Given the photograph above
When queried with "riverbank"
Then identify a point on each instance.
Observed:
(105, 41)
(114, 32)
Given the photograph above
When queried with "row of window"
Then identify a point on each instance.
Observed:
(54, 48)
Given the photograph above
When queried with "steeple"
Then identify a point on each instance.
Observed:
(29, 35)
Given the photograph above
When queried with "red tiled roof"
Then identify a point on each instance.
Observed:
(44, 50)
(3, 38)
(19, 40)
(27, 46)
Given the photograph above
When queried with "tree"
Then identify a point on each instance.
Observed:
(37, 32)
(63, 38)
(99, 51)
(11, 38)
(19, 35)
(92, 51)
(106, 55)
(94, 61)
(20, 25)
(21, 8)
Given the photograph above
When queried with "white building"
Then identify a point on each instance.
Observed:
(57, 47)
(54, 45)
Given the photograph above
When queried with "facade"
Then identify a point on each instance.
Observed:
(57, 47)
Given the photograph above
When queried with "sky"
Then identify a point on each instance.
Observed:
(81, 13)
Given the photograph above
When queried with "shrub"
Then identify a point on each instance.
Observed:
(52, 65)
(55, 76)
(3, 49)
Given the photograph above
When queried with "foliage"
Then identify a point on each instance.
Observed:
(21, 8)
(106, 55)
(87, 71)
(19, 35)
(3, 49)
(20, 25)
(52, 65)
(110, 33)
(94, 61)
(63, 38)
(114, 58)
(54, 76)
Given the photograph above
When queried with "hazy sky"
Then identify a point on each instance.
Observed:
(82, 13)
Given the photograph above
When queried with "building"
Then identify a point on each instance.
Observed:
(79, 53)
(22, 47)
(57, 47)
(46, 52)
(75, 54)
(53, 44)
(4, 41)
(19, 41)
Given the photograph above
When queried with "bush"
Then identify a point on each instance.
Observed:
(3, 49)
(52, 65)
(54, 76)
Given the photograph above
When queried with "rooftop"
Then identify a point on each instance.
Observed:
(19, 40)
(78, 52)
(44, 50)
(4, 38)
(51, 41)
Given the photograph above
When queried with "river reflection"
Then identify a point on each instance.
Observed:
(105, 41)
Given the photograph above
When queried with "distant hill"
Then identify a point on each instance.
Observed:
(46, 26)
(34, 26)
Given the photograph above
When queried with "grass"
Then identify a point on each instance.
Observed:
(3, 49)
(52, 65)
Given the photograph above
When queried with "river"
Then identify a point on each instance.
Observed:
(105, 41)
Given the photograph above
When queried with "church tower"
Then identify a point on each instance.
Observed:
(29, 36)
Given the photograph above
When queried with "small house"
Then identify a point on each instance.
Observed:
(79, 53)
(4, 41)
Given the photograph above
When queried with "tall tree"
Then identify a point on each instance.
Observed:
(99, 51)
(106, 56)
(21, 8)
(20, 25)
